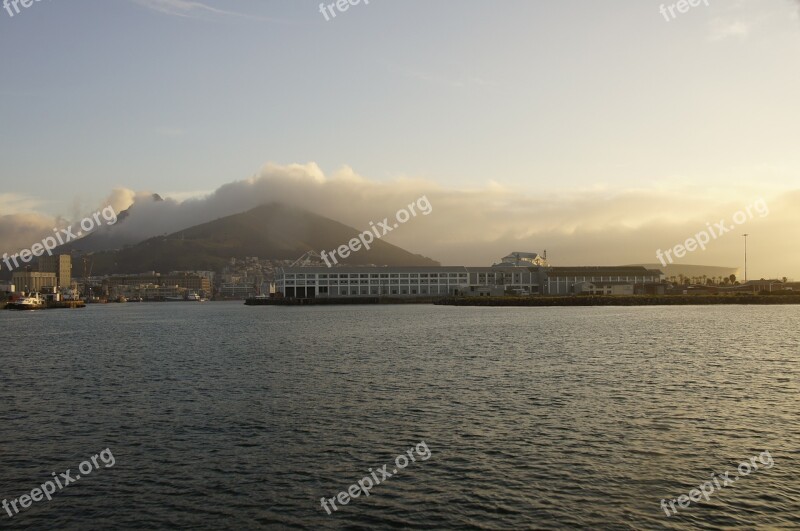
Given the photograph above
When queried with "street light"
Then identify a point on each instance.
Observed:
(745, 256)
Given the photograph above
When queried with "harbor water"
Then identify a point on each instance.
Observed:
(222, 416)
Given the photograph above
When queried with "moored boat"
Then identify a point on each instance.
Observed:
(32, 301)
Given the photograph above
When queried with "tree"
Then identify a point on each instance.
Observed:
(732, 279)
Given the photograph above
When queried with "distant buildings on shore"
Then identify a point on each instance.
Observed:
(154, 286)
(519, 273)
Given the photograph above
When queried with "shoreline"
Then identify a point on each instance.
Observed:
(626, 300)
(541, 301)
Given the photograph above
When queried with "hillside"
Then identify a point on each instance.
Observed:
(273, 231)
(694, 271)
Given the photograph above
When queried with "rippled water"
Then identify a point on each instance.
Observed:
(221, 416)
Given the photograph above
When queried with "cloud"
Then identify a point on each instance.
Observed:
(593, 226)
(193, 9)
(16, 203)
(20, 229)
(474, 227)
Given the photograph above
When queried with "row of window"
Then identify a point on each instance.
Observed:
(443, 282)
(604, 279)
(377, 275)
(380, 291)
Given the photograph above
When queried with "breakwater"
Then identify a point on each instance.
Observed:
(340, 301)
(632, 300)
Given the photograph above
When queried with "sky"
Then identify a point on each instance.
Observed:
(600, 131)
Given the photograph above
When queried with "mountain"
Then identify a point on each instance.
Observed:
(274, 231)
(106, 237)
(691, 271)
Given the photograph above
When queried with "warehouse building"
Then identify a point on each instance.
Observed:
(313, 282)
(34, 281)
(504, 278)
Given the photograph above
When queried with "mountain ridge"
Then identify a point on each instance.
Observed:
(271, 231)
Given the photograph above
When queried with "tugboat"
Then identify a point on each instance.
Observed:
(32, 301)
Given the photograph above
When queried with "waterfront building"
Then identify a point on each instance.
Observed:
(32, 281)
(187, 281)
(520, 259)
(516, 274)
(236, 290)
(60, 265)
(313, 282)
(563, 280)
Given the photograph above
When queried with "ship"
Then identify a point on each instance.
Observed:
(32, 301)
(189, 297)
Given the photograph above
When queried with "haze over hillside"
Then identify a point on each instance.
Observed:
(472, 227)
(273, 231)
(692, 271)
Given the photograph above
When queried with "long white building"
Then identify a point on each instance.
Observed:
(323, 282)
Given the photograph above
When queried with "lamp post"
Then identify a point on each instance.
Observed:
(745, 256)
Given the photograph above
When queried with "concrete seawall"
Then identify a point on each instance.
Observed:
(634, 300)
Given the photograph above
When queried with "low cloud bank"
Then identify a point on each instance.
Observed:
(476, 227)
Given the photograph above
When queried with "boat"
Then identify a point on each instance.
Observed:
(32, 301)
(189, 297)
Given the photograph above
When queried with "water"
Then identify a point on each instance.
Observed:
(221, 416)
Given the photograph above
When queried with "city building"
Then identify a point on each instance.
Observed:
(604, 288)
(563, 280)
(60, 265)
(524, 278)
(313, 282)
(234, 290)
(518, 259)
(31, 281)
(187, 281)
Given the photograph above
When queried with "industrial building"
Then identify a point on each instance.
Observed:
(313, 282)
(33, 281)
(60, 265)
(519, 273)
